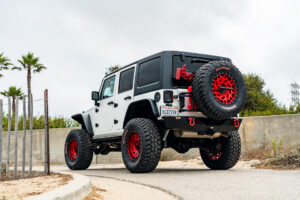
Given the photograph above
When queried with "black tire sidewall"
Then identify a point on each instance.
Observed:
(85, 152)
(70, 162)
(207, 102)
(230, 153)
(131, 128)
(150, 148)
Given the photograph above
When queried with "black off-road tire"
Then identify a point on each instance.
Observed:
(204, 96)
(230, 153)
(84, 150)
(150, 145)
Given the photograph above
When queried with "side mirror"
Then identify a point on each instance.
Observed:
(95, 97)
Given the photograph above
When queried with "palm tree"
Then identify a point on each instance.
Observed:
(30, 63)
(4, 63)
(13, 92)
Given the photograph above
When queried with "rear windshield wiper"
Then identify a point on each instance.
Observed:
(199, 60)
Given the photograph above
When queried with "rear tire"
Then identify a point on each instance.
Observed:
(228, 156)
(141, 145)
(78, 150)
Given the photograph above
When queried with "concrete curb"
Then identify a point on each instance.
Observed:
(77, 189)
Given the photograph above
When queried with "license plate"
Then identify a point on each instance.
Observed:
(169, 110)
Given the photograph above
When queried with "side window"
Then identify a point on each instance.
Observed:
(149, 72)
(126, 80)
(108, 88)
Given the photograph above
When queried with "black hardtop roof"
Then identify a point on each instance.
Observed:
(172, 53)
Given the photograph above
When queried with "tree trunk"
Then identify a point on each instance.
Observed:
(28, 88)
(14, 106)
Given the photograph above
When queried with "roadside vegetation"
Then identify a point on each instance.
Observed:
(260, 102)
(288, 160)
(277, 157)
(38, 122)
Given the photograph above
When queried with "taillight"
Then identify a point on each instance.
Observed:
(190, 100)
(168, 96)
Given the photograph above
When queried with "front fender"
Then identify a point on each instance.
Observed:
(85, 121)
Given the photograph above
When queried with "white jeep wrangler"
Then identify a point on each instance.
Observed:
(170, 99)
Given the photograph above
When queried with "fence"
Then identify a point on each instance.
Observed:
(15, 114)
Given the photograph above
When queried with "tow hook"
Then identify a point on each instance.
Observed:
(236, 123)
(192, 121)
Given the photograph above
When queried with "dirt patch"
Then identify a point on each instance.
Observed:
(95, 194)
(22, 188)
(289, 161)
(19, 175)
(263, 154)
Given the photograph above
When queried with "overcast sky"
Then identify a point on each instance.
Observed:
(77, 40)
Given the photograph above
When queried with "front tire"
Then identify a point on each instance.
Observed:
(141, 145)
(227, 152)
(78, 150)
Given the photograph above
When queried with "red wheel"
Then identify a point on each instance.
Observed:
(224, 88)
(222, 153)
(73, 150)
(214, 156)
(141, 145)
(134, 146)
(78, 150)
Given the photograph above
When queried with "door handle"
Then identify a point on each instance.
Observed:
(110, 103)
(128, 97)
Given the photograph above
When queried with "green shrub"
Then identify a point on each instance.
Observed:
(39, 122)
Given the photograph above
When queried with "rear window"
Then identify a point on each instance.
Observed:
(192, 65)
(149, 72)
(126, 80)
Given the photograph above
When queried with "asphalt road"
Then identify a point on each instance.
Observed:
(191, 181)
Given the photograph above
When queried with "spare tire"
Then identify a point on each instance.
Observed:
(218, 89)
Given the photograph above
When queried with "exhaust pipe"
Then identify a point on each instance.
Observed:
(187, 134)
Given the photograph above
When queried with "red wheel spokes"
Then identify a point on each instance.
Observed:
(73, 150)
(134, 146)
(214, 156)
(224, 88)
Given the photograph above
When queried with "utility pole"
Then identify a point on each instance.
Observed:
(47, 156)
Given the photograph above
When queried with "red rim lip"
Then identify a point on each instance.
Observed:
(224, 96)
(73, 150)
(134, 146)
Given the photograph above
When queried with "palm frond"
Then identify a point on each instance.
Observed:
(16, 68)
(39, 68)
(22, 63)
(13, 91)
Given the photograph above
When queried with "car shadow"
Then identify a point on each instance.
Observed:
(156, 171)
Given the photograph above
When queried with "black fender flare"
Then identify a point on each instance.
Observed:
(85, 121)
(150, 102)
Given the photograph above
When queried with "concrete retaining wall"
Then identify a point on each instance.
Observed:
(256, 133)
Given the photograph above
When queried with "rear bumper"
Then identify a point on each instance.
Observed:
(202, 125)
